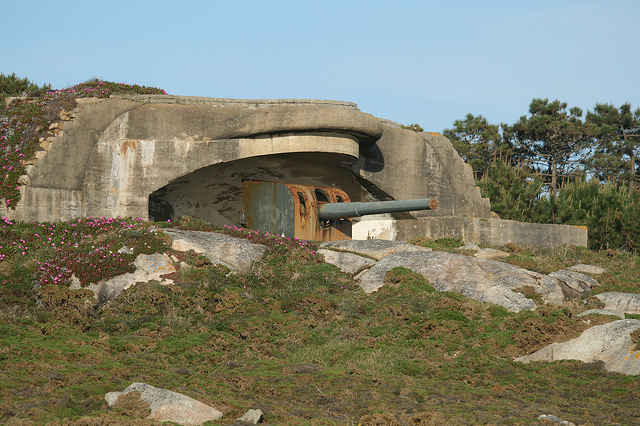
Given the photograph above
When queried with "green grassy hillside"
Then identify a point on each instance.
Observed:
(295, 338)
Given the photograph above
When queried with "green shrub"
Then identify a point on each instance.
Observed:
(610, 213)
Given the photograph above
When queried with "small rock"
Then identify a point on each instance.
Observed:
(587, 269)
(469, 246)
(169, 406)
(492, 254)
(252, 416)
(125, 250)
(480, 279)
(552, 418)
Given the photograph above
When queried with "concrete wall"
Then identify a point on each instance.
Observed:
(489, 232)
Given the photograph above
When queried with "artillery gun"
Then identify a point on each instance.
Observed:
(311, 212)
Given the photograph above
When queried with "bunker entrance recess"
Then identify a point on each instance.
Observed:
(214, 193)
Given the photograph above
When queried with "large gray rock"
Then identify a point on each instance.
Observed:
(148, 267)
(617, 301)
(480, 279)
(237, 254)
(348, 263)
(610, 343)
(377, 249)
(169, 406)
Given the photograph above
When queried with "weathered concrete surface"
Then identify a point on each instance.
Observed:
(169, 406)
(410, 165)
(618, 301)
(237, 254)
(610, 343)
(117, 152)
(377, 249)
(493, 231)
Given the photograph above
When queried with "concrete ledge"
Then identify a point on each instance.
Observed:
(493, 232)
(234, 103)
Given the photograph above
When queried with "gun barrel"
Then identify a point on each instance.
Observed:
(331, 211)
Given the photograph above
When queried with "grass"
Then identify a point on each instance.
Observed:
(299, 340)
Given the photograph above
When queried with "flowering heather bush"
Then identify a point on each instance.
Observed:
(27, 118)
(92, 249)
(275, 242)
(104, 89)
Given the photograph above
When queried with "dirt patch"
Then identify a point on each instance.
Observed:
(131, 405)
(635, 338)
(428, 419)
(379, 419)
(70, 306)
(538, 332)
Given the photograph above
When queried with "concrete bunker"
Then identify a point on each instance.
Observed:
(161, 157)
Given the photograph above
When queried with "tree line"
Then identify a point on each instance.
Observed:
(558, 165)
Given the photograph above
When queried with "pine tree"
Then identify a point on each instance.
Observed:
(513, 191)
(618, 131)
(479, 143)
(553, 138)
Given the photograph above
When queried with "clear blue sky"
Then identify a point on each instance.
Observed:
(426, 62)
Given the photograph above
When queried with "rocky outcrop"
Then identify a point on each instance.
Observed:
(168, 406)
(148, 267)
(235, 253)
(480, 279)
(610, 343)
(623, 302)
